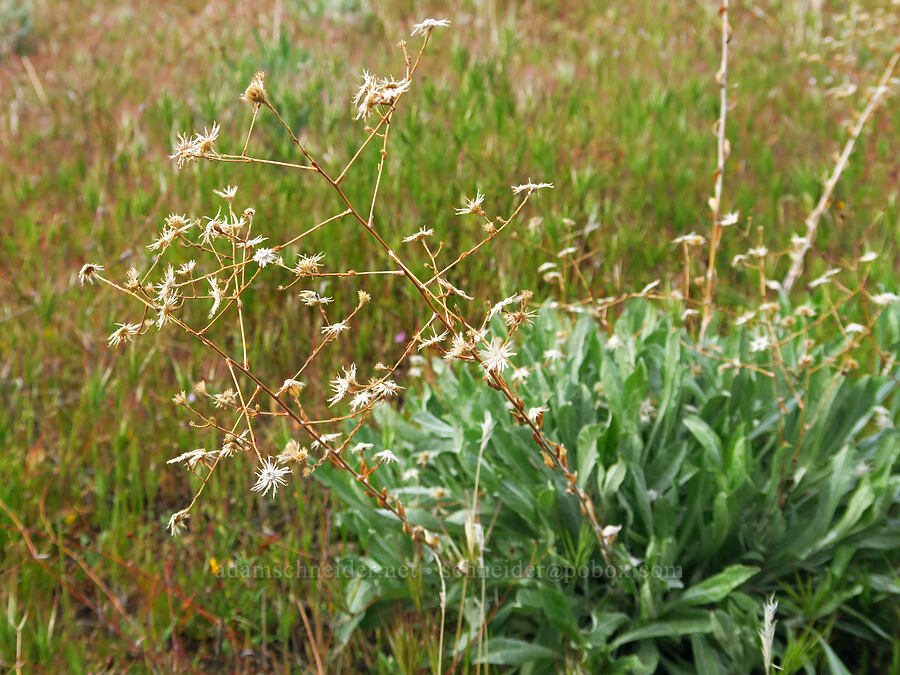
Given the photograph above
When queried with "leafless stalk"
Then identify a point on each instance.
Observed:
(812, 220)
(722, 151)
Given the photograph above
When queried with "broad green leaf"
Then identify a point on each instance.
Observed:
(669, 398)
(556, 608)
(345, 626)
(716, 587)
(587, 451)
(738, 462)
(612, 386)
(706, 437)
(610, 481)
(503, 651)
(861, 500)
(835, 665)
(361, 593)
(603, 626)
(723, 520)
(666, 628)
(705, 660)
(433, 425)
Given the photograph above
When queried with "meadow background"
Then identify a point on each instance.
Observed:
(612, 102)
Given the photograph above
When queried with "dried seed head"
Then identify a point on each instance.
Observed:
(551, 355)
(308, 265)
(431, 341)
(428, 25)
(88, 273)
(311, 298)
(333, 330)
(453, 289)
(194, 457)
(270, 477)
(386, 456)
(132, 279)
(227, 193)
(264, 256)
(226, 399)
(744, 318)
(189, 149)
(186, 268)
(361, 400)
(255, 94)
(386, 388)
(418, 236)
(610, 533)
(868, 257)
(377, 91)
(495, 357)
(692, 239)
(293, 387)
(825, 278)
(758, 252)
(178, 522)
(760, 343)
(472, 205)
(885, 298)
(518, 318)
(530, 187)
(293, 452)
(126, 332)
(729, 218)
(341, 384)
(233, 443)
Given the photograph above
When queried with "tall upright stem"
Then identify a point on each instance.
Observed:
(721, 157)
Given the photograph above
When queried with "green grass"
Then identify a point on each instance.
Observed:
(612, 102)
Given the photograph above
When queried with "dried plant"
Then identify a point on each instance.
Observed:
(230, 252)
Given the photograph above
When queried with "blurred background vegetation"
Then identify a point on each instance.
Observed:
(613, 102)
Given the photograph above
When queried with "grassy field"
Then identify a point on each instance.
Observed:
(612, 102)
